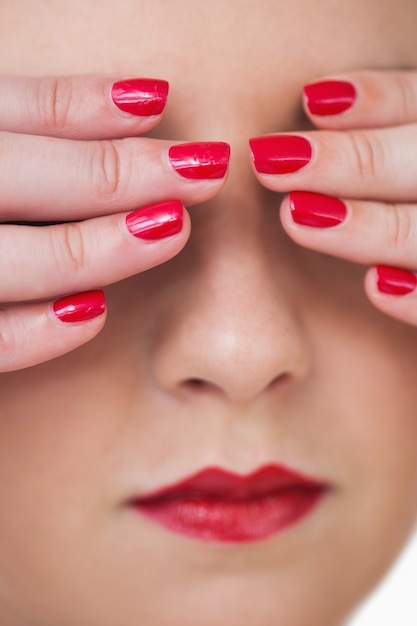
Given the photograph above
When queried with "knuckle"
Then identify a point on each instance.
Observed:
(105, 169)
(54, 102)
(400, 230)
(70, 249)
(407, 95)
(11, 340)
(368, 153)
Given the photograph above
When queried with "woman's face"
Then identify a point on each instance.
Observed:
(245, 350)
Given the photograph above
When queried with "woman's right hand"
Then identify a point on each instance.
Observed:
(70, 156)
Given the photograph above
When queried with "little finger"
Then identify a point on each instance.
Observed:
(34, 333)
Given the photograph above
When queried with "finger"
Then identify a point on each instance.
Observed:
(45, 261)
(362, 232)
(393, 291)
(81, 107)
(34, 333)
(362, 100)
(57, 179)
(368, 164)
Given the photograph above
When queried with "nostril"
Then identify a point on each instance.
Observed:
(195, 382)
(199, 384)
(279, 381)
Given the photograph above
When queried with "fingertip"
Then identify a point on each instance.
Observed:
(140, 97)
(394, 281)
(80, 307)
(329, 97)
(393, 291)
(200, 161)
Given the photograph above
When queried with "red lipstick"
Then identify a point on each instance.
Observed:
(216, 505)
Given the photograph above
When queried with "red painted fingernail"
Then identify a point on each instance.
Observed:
(280, 154)
(329, 97)
(140, 96)
(80, 306)
(395, 281)
(315, 209)
(200, 160)
(156, 221)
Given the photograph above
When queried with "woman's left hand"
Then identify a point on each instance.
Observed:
(353, 183)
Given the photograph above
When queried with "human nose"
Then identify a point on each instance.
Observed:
(234, 327)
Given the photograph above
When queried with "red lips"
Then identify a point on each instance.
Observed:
(219, 506)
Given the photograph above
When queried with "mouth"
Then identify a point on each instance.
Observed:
(216, 505)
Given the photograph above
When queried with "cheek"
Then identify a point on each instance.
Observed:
(372, 439)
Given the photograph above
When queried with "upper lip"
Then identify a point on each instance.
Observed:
(220, 484)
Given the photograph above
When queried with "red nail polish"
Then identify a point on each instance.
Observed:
(80, 307)
(140, 96)
(156, 221)
(316, 209)
(200, 160)
(329, 97)
(395, 281)
(280, 154)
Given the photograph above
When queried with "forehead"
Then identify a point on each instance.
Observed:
(191, 42)
(244, 62)
(232, 65)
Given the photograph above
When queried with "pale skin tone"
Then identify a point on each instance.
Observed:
(298, 358)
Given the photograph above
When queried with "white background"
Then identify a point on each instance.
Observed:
(394, 603)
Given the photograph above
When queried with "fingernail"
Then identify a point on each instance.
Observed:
(200, 160)
(157, 221)
(280, 154)
(329, 97)
(140, 96)
(80, 307)
(395, 281)
(316, 209)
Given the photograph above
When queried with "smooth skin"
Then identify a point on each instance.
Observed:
(244, 339)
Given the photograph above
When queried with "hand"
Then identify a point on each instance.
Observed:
(363, 159)
(70, 156)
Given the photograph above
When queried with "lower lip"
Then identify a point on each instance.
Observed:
(228, 520)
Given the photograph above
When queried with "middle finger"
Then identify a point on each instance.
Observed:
(376, 164)
(50, 179)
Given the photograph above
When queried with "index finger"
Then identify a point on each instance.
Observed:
(369, 99)
(81, 107)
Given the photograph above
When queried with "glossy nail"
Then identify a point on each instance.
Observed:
(80, 307)
(329, 97)
(140, 96)
(200, 161)
(395, 281)
(316, 209)
(280, 154)
(156, 221)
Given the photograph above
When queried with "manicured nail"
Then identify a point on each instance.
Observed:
(200, 160)
(80, 307)
(395, 281)
(280, 154)
(156, 221)
(315, 209)
(329, 97)
(140, 96)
